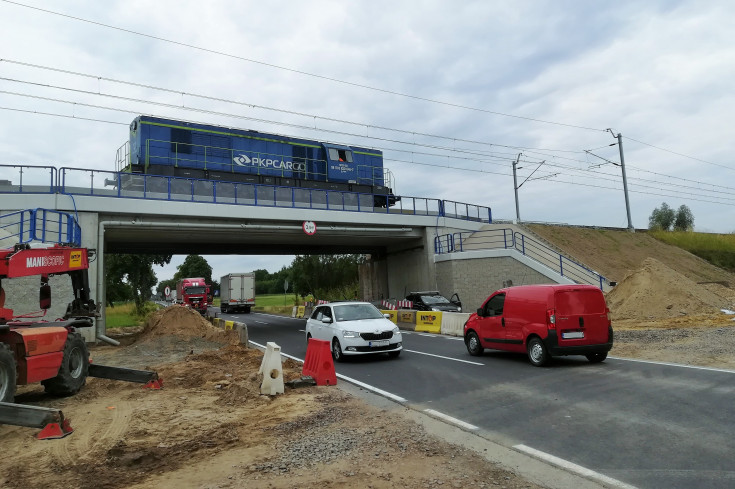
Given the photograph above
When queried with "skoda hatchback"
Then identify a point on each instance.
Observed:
(354, 328)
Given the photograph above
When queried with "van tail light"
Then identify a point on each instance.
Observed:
(551, 319)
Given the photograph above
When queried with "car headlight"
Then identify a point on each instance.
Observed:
(459, 309)
(396, 330)
(434, 309)
(350, 334)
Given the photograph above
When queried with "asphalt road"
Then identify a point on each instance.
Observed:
(647, 425)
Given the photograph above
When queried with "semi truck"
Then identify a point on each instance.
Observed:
(237, 292)
(193, 293)
(201, 152)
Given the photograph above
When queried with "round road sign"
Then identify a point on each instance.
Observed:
(167, 291)
(309, 227)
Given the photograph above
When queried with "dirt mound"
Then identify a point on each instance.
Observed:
(184, 322)
(655, 290)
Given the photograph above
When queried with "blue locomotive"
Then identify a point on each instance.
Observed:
(168, 147)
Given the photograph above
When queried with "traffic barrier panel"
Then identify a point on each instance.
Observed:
(453, 323)
(242, 332)
(293, 312)
(229, 325)
(429, 321)
(300, 312)
(272, 370)
(318, 363)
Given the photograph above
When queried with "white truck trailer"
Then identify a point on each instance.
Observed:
(237, 292)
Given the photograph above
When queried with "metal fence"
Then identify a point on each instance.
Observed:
(39, 225)
(505, 238)
(76, 181)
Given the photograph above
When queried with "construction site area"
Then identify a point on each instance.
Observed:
(210, 426)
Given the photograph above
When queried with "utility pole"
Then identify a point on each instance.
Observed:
(625, 179)
(515, 187)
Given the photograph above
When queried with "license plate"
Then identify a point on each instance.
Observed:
(572, 335)
(378, 343)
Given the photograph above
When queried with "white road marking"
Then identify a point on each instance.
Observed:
(280, 317)
(348, 379)
(260, 322)
(572, 467)
(710, 369)
(450, 419)
(445, 358)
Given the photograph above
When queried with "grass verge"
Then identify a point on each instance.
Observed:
(718, 249)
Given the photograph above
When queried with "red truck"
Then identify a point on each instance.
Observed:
(194, 293)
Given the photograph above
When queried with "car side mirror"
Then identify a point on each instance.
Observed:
(326, 320)
(480, 312)
(44, 296)
(386, 316)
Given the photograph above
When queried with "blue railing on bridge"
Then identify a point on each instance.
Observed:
(506, 238)
(77, 181)
(39, 225)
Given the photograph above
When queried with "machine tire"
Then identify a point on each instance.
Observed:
(337, 351)
(247, 309)
(8, 377)
(537, 353)
(472, 342)
(596, 357)
(73, 370)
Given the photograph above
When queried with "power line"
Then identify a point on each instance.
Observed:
(681, 154)
(301, 72)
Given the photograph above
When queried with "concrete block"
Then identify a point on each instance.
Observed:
(242, 332)
(453, 323)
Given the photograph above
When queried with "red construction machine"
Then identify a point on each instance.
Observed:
(51, 352)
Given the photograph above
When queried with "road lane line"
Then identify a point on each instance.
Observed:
(445, 358)
(260, 322)
(449, 419)
(668, 364)
(277, 316)
(572, 467)
(365, 386)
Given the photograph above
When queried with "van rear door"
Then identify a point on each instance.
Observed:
(581, 317)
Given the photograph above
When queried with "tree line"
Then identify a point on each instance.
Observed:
(330, 277)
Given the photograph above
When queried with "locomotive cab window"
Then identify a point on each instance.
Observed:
(340, 155)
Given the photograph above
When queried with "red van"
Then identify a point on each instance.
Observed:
(543, 321)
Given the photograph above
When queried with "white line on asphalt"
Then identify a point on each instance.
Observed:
(572, 467)
(450, 419)
(260, 322)
(348, 379)
(724, 370)
(281, 317)
(426, 334)
(445, 358)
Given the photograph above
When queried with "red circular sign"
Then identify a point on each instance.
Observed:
(309, 227)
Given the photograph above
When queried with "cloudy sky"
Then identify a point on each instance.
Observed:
(452, 92)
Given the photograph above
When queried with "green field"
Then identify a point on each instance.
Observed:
(276, 300)
(121, 316)
(718, 249)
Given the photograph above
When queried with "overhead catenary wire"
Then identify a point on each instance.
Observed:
(301, 72)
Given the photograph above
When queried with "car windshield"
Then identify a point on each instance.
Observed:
(434, 299)
(355, 312)
(195, 290)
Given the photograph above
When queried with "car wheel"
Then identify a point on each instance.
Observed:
(337, 351)
(394, 354)
(223, 309)
(597, 357)
(537, 352)
(473, 344)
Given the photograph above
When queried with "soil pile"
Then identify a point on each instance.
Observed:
(657, 291)
(186, 323)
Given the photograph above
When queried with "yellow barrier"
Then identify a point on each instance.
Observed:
(229, 325)
(393, 315)
(429, 321)
(300, 312)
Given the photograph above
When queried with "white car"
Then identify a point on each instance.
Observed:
(354, 328)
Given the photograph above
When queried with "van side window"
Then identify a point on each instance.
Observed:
(494, 306)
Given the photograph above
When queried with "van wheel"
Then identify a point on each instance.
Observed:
(472, 342)
(537, 352)
(73, 370)
(596, 357)
(337, 351)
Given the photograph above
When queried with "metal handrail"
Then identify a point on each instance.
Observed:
(39, 225)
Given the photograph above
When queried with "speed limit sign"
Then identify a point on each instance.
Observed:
(309, 227)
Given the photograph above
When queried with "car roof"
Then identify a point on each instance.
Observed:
(426, 292)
